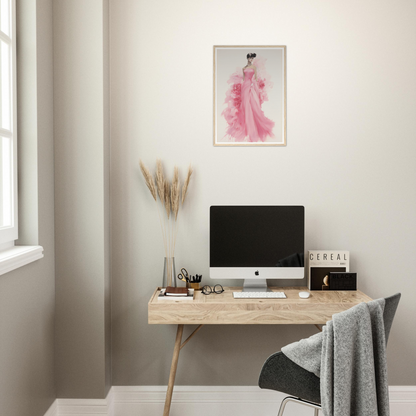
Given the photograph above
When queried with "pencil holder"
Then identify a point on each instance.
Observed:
(195, 286)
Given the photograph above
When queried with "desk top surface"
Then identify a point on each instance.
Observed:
(218, 309)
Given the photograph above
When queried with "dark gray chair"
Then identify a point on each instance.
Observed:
(281, 374)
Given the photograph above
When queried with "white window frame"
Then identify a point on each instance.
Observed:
(11, 256)
(9, 233)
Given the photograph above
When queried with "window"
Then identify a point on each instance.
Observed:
(11, 256)
(8, 146)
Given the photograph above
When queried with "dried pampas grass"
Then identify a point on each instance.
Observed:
(160, 180)
(174, 193)
(167, 197)
(148, 179)
(186, 183)
(170, 198)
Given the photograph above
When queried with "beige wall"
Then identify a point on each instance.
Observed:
(27, 295)
(82, 199)
(349, 160)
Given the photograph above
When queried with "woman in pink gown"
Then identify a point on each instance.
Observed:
(245, 118)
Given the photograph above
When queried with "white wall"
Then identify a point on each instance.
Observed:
(349, 159)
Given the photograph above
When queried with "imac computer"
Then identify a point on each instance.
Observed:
(256, 242)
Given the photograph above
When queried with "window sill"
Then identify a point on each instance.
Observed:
(18, 256)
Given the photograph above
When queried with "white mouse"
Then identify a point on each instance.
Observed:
(304, 295)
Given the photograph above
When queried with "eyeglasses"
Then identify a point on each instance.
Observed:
(207, 290)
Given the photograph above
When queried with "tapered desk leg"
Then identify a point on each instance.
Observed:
(173, 368)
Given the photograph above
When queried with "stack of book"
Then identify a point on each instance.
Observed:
(176, 293)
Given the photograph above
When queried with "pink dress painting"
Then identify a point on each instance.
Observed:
(244, 98)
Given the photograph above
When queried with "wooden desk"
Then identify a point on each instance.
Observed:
(223, 309)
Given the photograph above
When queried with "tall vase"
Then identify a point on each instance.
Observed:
(169, 272)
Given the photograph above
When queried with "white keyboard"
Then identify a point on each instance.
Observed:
(259, 295)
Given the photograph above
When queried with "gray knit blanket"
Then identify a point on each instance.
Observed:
(349, 356)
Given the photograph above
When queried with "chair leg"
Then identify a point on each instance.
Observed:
(297, 400)
(283, 405)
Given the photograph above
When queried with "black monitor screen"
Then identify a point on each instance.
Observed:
(257, 236)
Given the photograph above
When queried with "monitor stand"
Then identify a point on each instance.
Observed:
(255, 285)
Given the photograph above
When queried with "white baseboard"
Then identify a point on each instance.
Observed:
(402, 400)
(205, 401)
(83, 407)
(197, 400)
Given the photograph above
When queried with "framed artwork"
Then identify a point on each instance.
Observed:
(249, 95)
